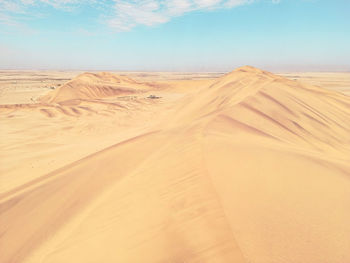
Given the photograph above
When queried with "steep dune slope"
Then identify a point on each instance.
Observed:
(287, 110)
(252, 168)
(89, 86)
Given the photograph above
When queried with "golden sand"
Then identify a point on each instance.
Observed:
(245, 167)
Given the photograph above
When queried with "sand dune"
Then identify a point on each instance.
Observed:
(249, 167)
(88, 86)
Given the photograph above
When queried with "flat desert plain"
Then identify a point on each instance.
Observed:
(133, 167)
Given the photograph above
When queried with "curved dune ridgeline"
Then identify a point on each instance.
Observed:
(89, 86)
(247, 168)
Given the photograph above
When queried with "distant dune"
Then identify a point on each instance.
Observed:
(247, 168)
(88, 86)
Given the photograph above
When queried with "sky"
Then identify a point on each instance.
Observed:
(175, 35)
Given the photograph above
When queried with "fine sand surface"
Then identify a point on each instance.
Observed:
(246, 167)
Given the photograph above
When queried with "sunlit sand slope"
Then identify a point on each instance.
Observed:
(251, 168)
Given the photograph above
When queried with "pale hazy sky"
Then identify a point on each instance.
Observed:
(175, 35)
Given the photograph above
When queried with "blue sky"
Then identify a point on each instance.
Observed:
(175, 35)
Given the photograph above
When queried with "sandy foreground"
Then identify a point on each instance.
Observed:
(246, 167)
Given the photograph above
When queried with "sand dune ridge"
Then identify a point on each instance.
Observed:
(250, 167)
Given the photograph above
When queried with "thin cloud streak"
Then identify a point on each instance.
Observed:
(129, 14)
(120, 15)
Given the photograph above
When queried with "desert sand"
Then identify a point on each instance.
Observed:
(245, 167)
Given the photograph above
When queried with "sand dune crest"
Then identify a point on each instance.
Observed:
(251, 167)
(89, 86)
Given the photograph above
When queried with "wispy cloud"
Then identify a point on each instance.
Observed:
(22, 6)
(17, 12)
(121, 15)
(130, 13)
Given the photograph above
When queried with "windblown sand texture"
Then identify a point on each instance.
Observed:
(249, 167)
